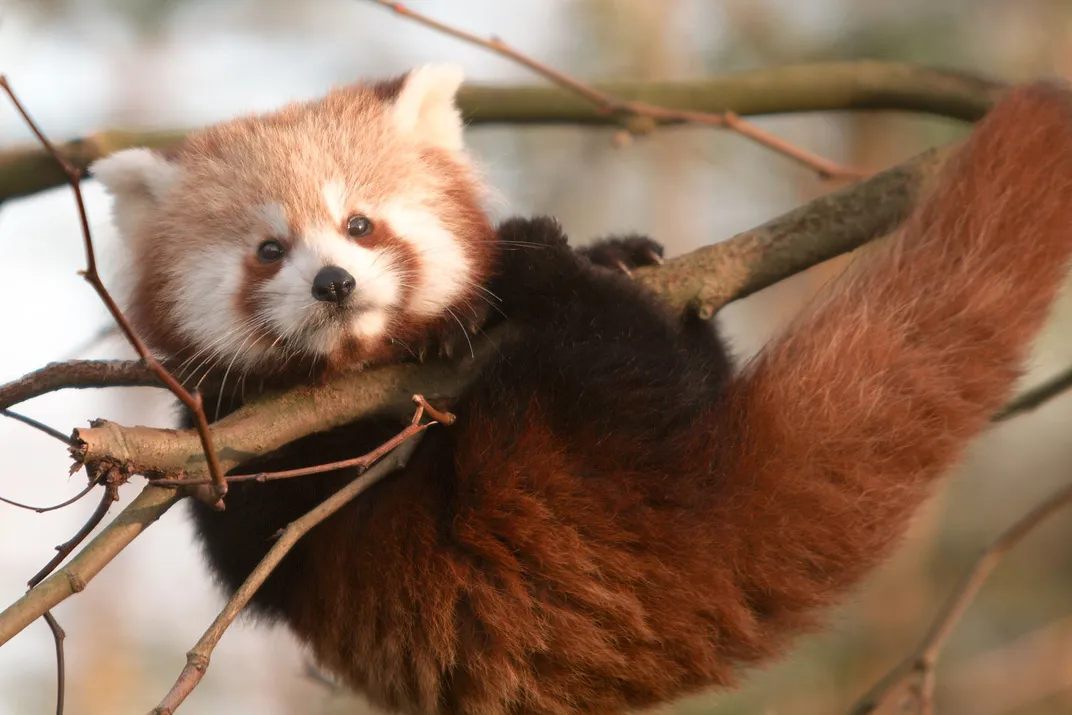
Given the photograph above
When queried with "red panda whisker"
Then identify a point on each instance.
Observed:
(465, 332)
(180, 370)
(223, 384)
(221, 353)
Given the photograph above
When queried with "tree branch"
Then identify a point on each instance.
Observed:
(920, 665)
(831, 86)
(146, 508)
(78, 374)
(636, 117)
(1036, 396)
(58, 636)
(397, 451)
(192, 400)
(837, 223)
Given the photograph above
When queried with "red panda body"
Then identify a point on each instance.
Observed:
(617, 519)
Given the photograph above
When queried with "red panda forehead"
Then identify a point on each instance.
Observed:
(290, 193)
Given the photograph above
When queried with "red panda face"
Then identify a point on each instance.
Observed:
(336, 231)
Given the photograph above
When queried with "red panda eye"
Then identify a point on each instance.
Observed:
(270, 251)
(358, 226)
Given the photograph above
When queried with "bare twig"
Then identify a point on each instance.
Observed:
(146, 508)
(61, 669)
(1036, 396)
(313, 673)
(191, 400)
(58, 635)
(37, 425)
(397, 451)
(638, 117)
(363, 462)
(54, 507)
(111, 494)
(919, 667)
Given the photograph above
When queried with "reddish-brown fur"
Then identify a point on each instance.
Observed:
(556, 552)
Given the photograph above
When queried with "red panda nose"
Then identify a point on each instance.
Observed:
(333, 284)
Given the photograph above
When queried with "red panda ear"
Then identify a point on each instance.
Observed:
(138, 179)
(425, 105)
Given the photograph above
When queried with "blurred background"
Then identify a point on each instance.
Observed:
(86, 65)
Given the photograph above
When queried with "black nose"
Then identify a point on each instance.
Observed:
(333, 284)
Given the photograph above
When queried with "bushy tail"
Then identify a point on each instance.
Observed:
(841, 425)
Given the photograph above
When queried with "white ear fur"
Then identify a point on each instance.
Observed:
(138, 179)
(425, 105)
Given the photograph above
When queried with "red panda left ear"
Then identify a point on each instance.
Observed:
(425, 105)
(138, 179)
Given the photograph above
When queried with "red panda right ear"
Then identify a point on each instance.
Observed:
(138, 179)
(425, 107)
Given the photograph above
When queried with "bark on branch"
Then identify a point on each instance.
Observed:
(832, 86)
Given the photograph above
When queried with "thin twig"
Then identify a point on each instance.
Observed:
(191, 400)
(197, 658)
(1037, 396)
(54, 507)
(363, 462)
(642, 111)
(920, 665)
(61, 669)
(111, 494)
(58, 635)
(39, 426)
(73, 576)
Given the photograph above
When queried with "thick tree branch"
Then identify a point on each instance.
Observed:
(709, 277)
(832, 86)
(277, 419)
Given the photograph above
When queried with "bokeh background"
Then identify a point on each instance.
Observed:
(87, 65)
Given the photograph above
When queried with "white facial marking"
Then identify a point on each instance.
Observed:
(334, 193)
(295, 313)
(369, 324)
(273, 215)
(444, 266)
(204, 308)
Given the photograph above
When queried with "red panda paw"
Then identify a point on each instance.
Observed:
(624, 253)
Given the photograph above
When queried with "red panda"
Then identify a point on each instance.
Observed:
(618, 518)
